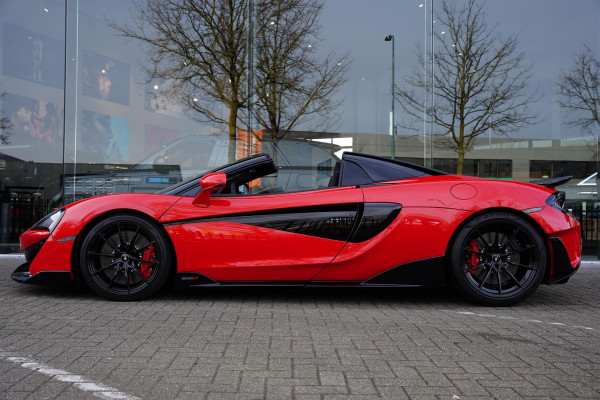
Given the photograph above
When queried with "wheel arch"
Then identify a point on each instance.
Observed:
(517, 213)
(75, 267)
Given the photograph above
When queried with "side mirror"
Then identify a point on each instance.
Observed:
(209, 183)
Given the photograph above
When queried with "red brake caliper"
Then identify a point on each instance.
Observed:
(146, 267)
(474, 257)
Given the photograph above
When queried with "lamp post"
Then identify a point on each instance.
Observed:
(392, 114)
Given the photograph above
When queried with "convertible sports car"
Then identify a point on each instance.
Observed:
(373, 222)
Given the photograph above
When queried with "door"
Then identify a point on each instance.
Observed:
(256, 238)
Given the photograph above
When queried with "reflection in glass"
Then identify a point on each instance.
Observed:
(31, 114)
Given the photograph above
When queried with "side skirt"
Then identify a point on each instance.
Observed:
(428, 272)
(193, 279)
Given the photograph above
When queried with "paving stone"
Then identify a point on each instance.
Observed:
(332, 378)
(302, 344)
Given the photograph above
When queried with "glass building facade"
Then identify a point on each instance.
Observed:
(82, 115)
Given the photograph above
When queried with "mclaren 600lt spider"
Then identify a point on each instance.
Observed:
(362, 221)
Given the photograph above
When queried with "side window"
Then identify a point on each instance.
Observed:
(380, 172)
(353, 175)
(265, 185)
(304, 166)
(254, 179)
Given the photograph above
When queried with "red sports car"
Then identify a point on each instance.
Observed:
(373, 222)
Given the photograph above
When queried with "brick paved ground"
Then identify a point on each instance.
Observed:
(313, 343)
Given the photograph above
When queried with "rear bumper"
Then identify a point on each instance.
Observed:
(563, 268)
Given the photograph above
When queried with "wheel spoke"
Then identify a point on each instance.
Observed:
(113, 279)
(499, 281)
(145, 261)
(475, 267)
(141, 275)
(146, 246)
(93, 253)
(510, 253)
(472, 251)
(121, 241)
(512, 276)
(112, 264)
(131, 243)
(125, 269)
(529, 267)
(485, 279)
(496, 237)
(107, 242)
(505, 245)
(485, 243)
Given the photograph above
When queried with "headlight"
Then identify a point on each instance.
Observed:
(557, 200)
(49, 222)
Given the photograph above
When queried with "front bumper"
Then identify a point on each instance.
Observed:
(45, 258)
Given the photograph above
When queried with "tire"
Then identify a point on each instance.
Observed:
(497, 259)
(125, 257)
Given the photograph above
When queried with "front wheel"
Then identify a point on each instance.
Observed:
(125, 257)
(498, 259)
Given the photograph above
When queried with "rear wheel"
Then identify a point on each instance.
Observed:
(498, 259)
(125, 257)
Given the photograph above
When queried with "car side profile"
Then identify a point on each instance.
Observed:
(375, 222)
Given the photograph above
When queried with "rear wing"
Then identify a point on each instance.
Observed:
(552, 182)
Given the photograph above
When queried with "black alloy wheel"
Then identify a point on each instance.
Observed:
(498, 259)
(125, 257)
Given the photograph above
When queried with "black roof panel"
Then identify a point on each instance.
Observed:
(382, 169)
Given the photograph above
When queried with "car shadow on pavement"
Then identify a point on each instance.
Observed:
(299, 295)
(545, 295)
(273, 293)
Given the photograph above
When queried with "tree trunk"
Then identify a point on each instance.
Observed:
(232, 132)
(274, 127)
(461, 161)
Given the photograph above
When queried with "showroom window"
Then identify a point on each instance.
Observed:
(90, 106)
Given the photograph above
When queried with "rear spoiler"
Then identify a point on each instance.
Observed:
(552, 182)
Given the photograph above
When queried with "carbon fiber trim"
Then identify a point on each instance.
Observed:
(345, 222)
(334, 222)
(428, 272)
(375, 218)
(562, 264)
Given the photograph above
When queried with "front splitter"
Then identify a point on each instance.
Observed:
(22, 275)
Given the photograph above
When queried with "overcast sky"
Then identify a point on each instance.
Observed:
(551, 33)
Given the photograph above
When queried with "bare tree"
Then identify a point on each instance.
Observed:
(579, 91)
(292, 84)
(480, 80)
(197, 49)
(5, 126)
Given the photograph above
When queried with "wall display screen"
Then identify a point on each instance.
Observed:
(105, 78)
(104, 138)
(32, 56)
(35, 128)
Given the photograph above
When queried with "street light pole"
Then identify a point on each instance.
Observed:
(392, 114)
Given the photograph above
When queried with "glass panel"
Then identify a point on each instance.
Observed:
(32, 54)
(127, 123)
